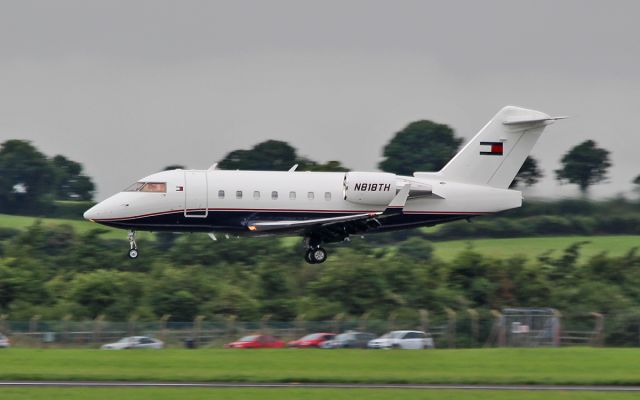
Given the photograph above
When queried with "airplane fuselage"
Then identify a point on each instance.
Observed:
(228, 201)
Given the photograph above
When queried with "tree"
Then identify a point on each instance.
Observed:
(529, 174)
(420, 146)
(272, 155)
(636, 182)
(584, 165)
(329, 166)
(26, 177)
(70, 182)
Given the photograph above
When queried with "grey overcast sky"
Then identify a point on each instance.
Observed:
(128, 87)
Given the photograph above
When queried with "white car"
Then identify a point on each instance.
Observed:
(402, 340)
(4, 341)
(134, 342)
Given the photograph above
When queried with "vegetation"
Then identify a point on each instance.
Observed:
(420, 146)
(54, 271)
(30, 182)
(497, 366)
(584, 165)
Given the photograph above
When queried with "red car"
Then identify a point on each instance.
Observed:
(311, 340)
(256, 342)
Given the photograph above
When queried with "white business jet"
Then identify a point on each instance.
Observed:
(325, 207)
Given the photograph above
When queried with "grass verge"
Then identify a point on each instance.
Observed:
(499, 366)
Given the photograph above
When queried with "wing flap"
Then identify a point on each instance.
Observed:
(260, 226)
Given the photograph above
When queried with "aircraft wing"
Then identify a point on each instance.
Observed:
(335, 228)
(259, 226)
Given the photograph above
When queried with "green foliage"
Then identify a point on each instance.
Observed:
(420, 146)
(271, 155)
(69, 181)
(53, 271)
(584, 165)
(26, 177)
(529, 174)
(30, 182)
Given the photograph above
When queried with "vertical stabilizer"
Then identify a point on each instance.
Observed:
(495, 154)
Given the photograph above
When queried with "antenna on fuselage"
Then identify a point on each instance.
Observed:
(293, 168)
(213, 167)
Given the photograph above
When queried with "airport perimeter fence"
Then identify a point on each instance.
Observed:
(470, 329)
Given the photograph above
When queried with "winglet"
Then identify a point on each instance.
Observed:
(397, 204)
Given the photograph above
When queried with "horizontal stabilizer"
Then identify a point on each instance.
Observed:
(518, 121)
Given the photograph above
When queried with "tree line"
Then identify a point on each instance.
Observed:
(54, 272)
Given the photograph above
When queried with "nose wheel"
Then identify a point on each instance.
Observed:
(133, 247)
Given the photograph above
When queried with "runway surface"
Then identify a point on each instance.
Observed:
(123, 384)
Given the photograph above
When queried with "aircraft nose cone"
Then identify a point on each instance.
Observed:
(90, 214)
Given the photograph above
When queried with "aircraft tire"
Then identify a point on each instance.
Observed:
(308, 256)
(318, 255)
(133, 253)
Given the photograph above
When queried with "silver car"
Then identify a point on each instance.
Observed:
(407, 340)
(134, 342)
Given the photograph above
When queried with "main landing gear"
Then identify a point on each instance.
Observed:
(315, 254)
(133, 247)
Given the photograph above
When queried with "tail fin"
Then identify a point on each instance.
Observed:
(495, 154)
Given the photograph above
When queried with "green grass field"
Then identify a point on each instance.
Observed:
(305, 394)
(533, 246)
(80, 226)
(499, 366)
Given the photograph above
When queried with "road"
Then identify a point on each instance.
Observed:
(585, 388)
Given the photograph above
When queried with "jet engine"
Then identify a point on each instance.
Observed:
(370, 188)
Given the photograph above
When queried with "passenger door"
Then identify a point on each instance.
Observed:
(196, 194)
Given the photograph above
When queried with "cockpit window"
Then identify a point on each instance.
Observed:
(135, 187)
(157, 187)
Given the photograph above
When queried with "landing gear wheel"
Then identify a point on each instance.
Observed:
(317, 255)
(133, 247)
(307, 256)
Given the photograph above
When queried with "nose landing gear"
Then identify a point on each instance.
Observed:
(133, 247)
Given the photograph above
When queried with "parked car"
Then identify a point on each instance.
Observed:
(403, 340)
(134, 342)
(349, 339)
(311, 340)
(256, 342)
(4, 341)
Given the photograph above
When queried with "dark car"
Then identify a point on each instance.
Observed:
(311, 340)
(349, 340)
(256, 342)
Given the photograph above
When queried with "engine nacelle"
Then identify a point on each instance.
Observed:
(371, 188)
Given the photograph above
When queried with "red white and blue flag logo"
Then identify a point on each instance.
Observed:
(491, 148)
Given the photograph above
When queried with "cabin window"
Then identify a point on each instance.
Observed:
(274, 195)
(327, 196)
(310, 195)
(256, 195)
(156, 187)
(221, 194)
(238, 194)
(292, 195)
